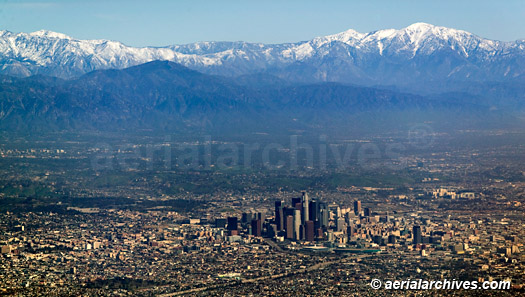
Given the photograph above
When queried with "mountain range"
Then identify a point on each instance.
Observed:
(53, 82)
(419, 52)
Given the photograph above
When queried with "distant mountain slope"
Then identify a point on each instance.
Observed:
(415, 54)
(155, 94)
(163, 95)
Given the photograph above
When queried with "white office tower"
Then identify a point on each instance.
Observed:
(297, 224)
(305, 207)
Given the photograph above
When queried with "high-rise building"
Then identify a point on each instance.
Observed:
(288, 211)
(279, 215)
(220, 223)
(324, 217)
(348, 217)
(350, 230)
(256, 228)
(246, 217)
(314, 211)
(306, 206)
(232, 223)
(289, 227)
(309, 231)
(367, 212)
(357, 207)
(416, 234)
(297, 224)
(271, 229)
(297, 203)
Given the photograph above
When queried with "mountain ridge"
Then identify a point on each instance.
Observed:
(418, 53)
(165, 96)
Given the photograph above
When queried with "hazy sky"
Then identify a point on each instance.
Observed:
(158, 23)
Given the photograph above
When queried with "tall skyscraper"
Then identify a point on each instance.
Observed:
(256, 228)
(348, 217)
(309, 231)
(279, 215)
(357, 207)
(323, 214)
(306, 207)
(297, 224)
(246, 217)
(297, 203)
(289, 227)
(416, 234)
(232, 223)
(367, 212)
(314, 211)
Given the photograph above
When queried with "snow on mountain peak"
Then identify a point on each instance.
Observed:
(5, 33)
(420, 27)
(415, 33)
(38, 50)
(424, 30)
(49, 34)
(348, 35)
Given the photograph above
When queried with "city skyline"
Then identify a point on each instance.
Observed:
(342, 148)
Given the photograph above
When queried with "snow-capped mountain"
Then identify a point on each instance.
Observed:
(417, 53)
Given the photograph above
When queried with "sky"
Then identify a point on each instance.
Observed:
(165, 22)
